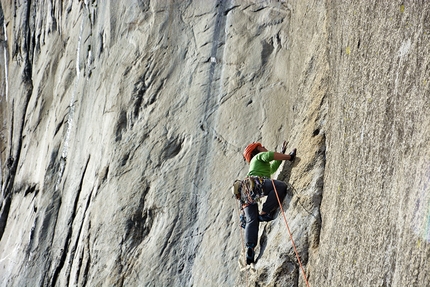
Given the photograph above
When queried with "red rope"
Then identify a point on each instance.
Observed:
(291, 236)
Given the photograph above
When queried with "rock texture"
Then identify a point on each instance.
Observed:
(376, 186)
(123, 123)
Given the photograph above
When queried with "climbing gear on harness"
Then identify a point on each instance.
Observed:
(293, 155)
(249, 149)
(236, 188)
(249, 190)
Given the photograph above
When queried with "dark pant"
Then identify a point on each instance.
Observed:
(251, 211)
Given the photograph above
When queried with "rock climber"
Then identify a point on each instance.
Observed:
(262, 164)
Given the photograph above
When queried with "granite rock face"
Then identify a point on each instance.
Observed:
(376, 185)
(123, 124)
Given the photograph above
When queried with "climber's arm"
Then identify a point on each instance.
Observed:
(281, 156)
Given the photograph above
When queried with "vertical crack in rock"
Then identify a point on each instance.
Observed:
(87, 267)
(70, 222)
(305, 202)
(4, 45)
(29, 44)
(4, 212)
(76, 243)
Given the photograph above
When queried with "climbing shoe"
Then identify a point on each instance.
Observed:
(293, 155)
(265, 217)
(250, 253)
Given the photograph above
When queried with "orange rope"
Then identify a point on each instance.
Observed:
(291, 236)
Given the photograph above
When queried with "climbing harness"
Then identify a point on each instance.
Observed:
(249, 190)
(291, 235)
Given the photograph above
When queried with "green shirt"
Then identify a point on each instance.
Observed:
(263, 164)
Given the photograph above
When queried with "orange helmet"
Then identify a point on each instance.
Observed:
(249, 149)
